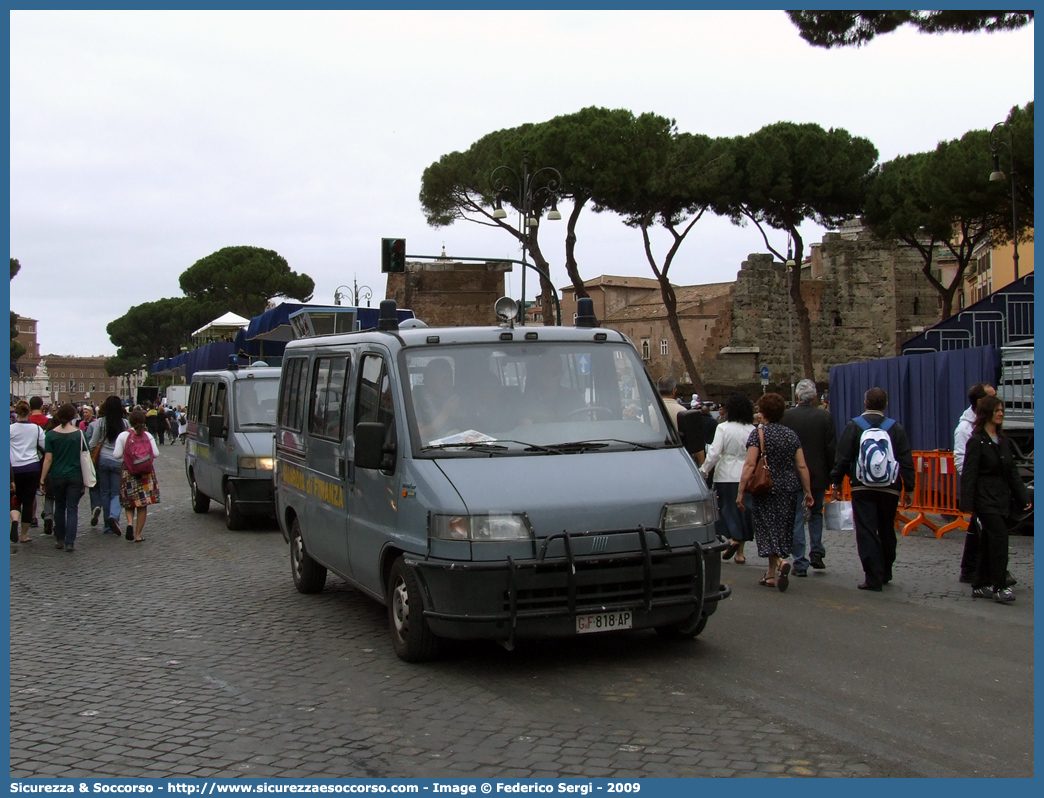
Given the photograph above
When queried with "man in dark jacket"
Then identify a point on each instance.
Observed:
(874, 506)
(815, 430)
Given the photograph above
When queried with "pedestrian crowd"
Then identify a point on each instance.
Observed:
(60, 453)
(807, 462)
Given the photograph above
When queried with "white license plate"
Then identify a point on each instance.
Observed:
(603, 622)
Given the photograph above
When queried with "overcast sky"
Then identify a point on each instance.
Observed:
(144, 141)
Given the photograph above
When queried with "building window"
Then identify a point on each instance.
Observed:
(663, 346)
(81, 387)
(646, 354)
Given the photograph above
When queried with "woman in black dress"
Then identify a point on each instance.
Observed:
(774, 512)
(992, 489)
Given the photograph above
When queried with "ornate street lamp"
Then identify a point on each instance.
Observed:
(997, 176)
(527, 192)
(356, 294)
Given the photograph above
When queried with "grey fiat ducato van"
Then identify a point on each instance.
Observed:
(231, 426)
(500, 483)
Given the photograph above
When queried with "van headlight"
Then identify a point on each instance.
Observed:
(489, 527)
(256, 463)
(687, 514)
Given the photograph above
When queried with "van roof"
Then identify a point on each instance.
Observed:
(463, 335)
(264, 372)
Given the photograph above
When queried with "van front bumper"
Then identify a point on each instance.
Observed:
(658, 585)
(254, 495)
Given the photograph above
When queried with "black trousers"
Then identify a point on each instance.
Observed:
(993, 552)
(873, 512)
(970, 557)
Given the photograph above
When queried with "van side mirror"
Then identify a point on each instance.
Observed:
(370, 449)
(216, 427)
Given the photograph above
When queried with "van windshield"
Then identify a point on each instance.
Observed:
(482, 400)
(256, 403)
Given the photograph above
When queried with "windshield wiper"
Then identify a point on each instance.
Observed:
(490, 446)
(576, 447)
(265, 424)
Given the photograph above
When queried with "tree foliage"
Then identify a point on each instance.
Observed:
(855, 28)
(17, 350)
(164, 325)
(679, 180)
(596, 150)
(243, 280)
(940, 199)
(786, 173)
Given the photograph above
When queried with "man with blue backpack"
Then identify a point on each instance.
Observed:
(874, 451)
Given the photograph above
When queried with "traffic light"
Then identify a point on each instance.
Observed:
(393, 255)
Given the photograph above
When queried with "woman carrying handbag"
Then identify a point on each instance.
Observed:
(774, 510)
(61, 463)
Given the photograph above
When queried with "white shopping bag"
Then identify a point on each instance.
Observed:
(838, 515)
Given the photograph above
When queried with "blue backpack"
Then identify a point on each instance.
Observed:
(876, 465)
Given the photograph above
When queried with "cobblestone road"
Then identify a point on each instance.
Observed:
(191, 654)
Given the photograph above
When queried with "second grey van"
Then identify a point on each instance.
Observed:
(231, 425)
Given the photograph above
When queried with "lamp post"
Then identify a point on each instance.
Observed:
(528, 191)
(356, 294)
(791, 263)
(997, 176)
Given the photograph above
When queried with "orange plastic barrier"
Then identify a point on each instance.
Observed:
(936, 492)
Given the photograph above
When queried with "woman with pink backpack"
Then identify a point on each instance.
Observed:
(138, 486)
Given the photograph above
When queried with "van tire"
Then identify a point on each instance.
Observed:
(233, 515)
(685, 630)
(200, 500)
(309, 576)
(411, 636)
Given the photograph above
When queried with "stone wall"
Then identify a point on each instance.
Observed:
(869, 292)
(447, 293)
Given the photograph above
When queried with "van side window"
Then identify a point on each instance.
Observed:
(375, 399)
(292, 401)
(221, 403)
(203, 408)
(326, 419)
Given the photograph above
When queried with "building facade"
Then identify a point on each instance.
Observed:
(635, 307)
(65, 378)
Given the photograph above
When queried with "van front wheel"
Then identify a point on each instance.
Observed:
(412, 637)
(686, 630)
(309, 576)
(200, 500)
(233, 515)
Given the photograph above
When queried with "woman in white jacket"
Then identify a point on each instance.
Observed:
(725, 457)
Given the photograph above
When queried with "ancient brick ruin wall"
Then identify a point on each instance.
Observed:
(449, 293)
(869, 291)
